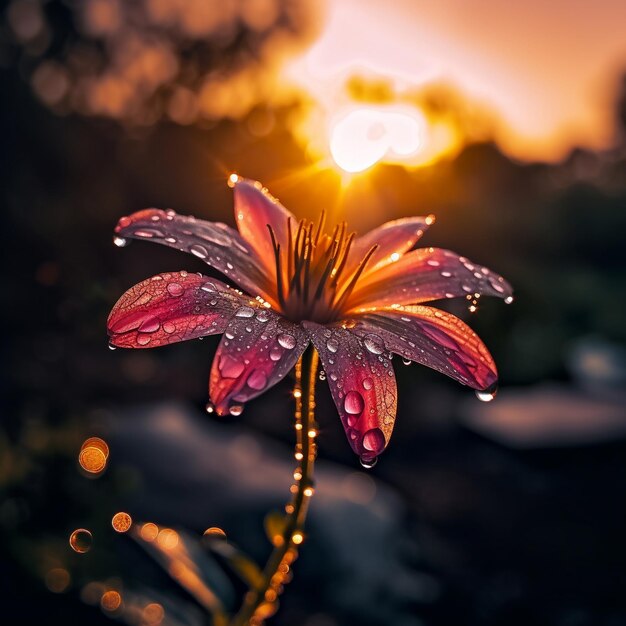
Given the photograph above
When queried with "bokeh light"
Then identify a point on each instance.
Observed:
(81, 540)
(121, 522)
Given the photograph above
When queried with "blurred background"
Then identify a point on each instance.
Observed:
(506, 120)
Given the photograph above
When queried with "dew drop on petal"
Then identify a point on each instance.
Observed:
(353, 403)
(374, 344)
(276, 353)
(112, 347)
(120, 242)
(81, 540)
(368, 461)
(244, 311)
(236, 410)
(332, 345)
(143, 339)
(367, 384)
(169, 327)
(322, 375)
(149, 233)
(487, 395)
(374, 440)
(508, 300)
(199, 251)
(257, 379)
(209, 407)
(406, 361)
(287, 341)
(263, 316)
(175, 289)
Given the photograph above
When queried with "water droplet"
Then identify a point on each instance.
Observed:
(508, 300)
(263, 316)
(276, 353)
(230, 367)
(143, 339)
(112, 347)
(236, 410)
(121, 522)
(245, 311)
(198, 250)
(332, 345)
(406, 361)
(353, 403)
(209, 287)
(367, 383)
(374, 344)
(487, 395)
(169, 327)
(374, 441)
(368, 461)
(209, 407)
(81, 540)
(175, 289)
(287, 341)
(120, 242)
(149, 233)
(257, 380)
(322, 375)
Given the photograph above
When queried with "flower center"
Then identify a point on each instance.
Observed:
(312, 279)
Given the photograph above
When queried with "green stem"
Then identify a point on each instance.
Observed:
(260, 602)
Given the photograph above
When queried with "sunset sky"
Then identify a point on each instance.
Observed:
(548, 70)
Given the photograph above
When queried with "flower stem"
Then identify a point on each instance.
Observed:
(261, 602)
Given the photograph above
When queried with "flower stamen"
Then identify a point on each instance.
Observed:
(310, 268)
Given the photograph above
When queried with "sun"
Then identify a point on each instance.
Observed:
(365, 135)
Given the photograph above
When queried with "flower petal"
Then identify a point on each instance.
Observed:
(393, 238)
(171, 307)
(433, 338)
(423, 275)
(255, 208)
(217, 244)
(363, 386)
(257, 350)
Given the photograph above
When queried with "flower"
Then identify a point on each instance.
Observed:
(356, 299)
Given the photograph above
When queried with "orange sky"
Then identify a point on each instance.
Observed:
(547, 68)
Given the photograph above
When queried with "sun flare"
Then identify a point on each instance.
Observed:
(366, 135)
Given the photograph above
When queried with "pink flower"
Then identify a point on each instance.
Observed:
(357, 299)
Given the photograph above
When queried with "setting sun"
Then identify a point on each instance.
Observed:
(365, 136)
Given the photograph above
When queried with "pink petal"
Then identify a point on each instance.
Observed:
(363, 386)
(255, 208)
(257, 350)
(426, 274)
(433, 338)
(394, 239)
(171, 307)
(218, 245)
